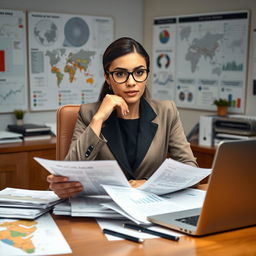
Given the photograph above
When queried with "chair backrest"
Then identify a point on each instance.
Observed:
(66, 120)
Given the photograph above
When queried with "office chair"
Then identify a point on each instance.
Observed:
(66, 120)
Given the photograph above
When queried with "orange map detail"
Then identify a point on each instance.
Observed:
(90, 80)
(18, 234)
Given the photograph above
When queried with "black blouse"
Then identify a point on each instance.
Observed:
(129, 130)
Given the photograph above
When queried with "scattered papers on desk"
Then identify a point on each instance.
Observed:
(137, 205)
(117, 225)
(38, 237)
(91, 174)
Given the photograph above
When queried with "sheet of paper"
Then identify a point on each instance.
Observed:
(189, 198)
(140, 204)
(92, 174)
(173, 176)
(115, 207)
(42, 235)
(117, 225)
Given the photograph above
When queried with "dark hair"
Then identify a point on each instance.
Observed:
(116, 49)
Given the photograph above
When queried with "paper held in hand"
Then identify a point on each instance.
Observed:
(169, 177)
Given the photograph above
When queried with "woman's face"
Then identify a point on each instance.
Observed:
(131, 91)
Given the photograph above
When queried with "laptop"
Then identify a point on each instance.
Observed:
(230, 200)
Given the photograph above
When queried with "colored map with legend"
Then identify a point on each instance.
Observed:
(66, 58)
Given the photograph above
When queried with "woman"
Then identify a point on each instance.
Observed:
(126, 124)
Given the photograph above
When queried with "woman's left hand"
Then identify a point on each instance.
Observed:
(137, 183)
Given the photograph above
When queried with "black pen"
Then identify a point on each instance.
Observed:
(149, 231)
(121, 235)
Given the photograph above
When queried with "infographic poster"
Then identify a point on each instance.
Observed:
(164, 58)
(210, 63)
(13, 79)
(65, 58)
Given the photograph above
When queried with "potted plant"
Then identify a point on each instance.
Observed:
(222, 106)
(19, 114)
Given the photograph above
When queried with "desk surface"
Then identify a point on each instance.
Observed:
(85, 238)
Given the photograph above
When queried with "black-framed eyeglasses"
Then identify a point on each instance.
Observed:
(121, 76)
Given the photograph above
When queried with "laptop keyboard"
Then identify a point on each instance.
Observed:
(192, 220)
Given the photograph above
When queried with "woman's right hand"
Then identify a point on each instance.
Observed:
(108, 104)
(64, 188)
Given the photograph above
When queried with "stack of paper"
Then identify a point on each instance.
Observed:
(92, 206)
(26, 204)
(86, 206)
(9, 137)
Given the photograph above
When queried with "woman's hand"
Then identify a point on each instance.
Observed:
(62, 187)
(136, 183)
(109, 103)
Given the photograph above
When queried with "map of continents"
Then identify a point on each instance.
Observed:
(62, 62)
(18, 234)
(205, 47)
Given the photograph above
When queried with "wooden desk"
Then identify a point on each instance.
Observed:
(203, 154)
(85, 238)
(18, 169)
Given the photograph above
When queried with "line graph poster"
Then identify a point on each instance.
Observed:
(199, 58)
(13, 80)
(65, 55)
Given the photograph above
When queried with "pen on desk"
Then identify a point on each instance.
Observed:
(121, 235)
(149, 231)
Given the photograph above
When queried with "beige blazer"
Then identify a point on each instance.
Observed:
(160, 134)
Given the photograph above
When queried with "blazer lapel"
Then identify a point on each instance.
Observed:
(147, 131)
(111, 131)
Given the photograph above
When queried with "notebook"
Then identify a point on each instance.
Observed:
(230, 201)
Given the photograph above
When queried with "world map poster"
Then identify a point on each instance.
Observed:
(13, 62)
(65, 58)
(200, 58)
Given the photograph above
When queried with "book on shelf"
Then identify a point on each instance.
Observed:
(29, 129)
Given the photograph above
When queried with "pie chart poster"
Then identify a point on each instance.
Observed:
(65, 54)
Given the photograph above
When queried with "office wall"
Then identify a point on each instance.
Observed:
(182, 7)
(128, 21)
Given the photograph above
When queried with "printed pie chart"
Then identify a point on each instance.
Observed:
(164, 36)
(76, 32)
